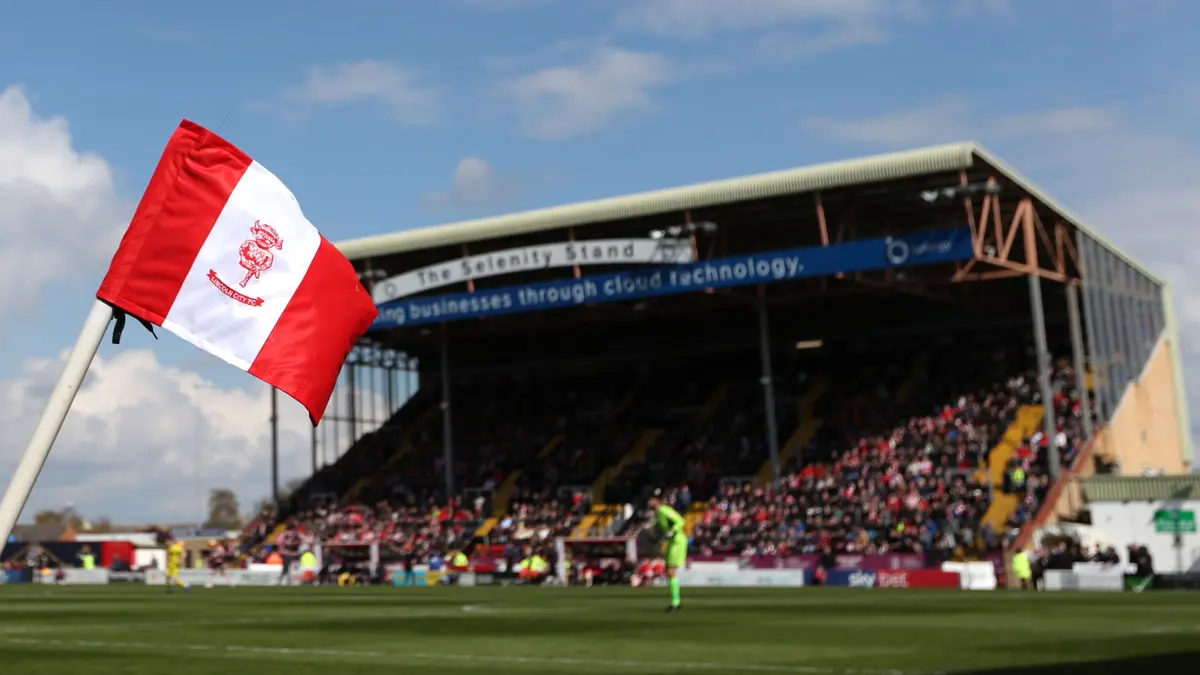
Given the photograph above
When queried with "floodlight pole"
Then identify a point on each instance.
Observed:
(57, 407)
(1077, 356)
(767, 380)
(447, 439)
(1043, 372)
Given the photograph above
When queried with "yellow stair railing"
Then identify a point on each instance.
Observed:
(713, 404)
(270, 538)
(551, 446)
(589, 521)
(607, 514)
(1003, 506)
(636, 455)
(626, 401)
(804, 432)
(906, 388)
(402, 449)
(486, 528)
(503, 494)
(693, 517)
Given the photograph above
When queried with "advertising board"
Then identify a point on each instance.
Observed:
(845, 561)
(851, 578)
(975, 576)
(1091, 580)
(196, 577)
(742, 270)
(918, 579)
(698, 575)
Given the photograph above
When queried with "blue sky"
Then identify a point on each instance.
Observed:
(385, 115)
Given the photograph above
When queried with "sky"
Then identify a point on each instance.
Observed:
(383, 115)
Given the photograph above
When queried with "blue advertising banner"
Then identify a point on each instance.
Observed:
(851, 578)
(742, 270)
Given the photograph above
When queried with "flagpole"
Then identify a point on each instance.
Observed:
(57, 407)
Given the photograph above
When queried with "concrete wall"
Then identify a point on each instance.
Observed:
(1145, 432)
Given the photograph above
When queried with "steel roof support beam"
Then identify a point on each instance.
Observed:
(1047, 253)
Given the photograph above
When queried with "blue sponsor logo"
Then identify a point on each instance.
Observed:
(851, 578)
(743, 270)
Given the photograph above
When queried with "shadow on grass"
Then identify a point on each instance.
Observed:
(1134, 665)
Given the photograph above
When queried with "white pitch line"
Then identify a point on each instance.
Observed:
(430, 656)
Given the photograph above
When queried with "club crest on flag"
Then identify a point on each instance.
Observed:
(255, 256)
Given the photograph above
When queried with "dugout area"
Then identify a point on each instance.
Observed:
(1037, 278)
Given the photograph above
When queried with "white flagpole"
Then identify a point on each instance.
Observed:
(57, 407)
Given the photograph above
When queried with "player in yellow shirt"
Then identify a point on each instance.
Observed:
(174, 563)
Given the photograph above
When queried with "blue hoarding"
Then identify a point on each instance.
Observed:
(743, 270)
(851, 578)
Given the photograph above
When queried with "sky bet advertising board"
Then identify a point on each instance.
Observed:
(670, 279)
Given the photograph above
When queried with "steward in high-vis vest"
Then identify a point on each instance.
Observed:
(1022, 570)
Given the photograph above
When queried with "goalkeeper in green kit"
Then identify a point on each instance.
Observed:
(671, 526)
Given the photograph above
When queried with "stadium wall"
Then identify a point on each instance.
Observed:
(1143, 435)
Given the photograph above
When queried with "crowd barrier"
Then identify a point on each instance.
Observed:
(726, 575)
(974, 576)
(1112, 579)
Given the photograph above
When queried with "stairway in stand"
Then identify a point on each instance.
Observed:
(1004, 505)
(636, 455)
(502, 496)
(804, 432)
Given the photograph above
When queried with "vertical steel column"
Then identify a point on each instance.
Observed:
(275, 445)
(390, 391)
(767, 380)
(1043, 369)
(1090, 310)
(352, 398)
(314, 451)
(1078, 360)
(332, 450)
(447, 440)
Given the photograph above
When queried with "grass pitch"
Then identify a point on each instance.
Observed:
(135, 630)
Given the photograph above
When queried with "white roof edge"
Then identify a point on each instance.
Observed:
(890, 166)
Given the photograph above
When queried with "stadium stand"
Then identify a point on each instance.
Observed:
(905, 400)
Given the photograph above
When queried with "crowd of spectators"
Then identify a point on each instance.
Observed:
(421, 529)
(917, 487)
(1028, 473)
(876, 479)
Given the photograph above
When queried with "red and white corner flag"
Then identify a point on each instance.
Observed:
(220, 254)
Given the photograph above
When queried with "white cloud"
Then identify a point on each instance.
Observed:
(146, 441)
(503, 5)
(951, 118)
(565, 101)
(777, 31)
(475, 182)
(403, 91)
(700, 18)
(60, 218)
